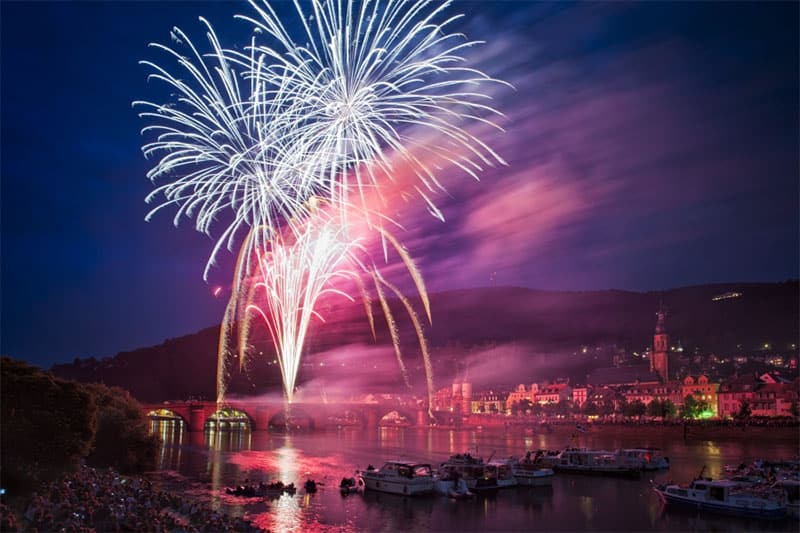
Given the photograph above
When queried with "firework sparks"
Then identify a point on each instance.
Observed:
(293, 276)
(256, 137)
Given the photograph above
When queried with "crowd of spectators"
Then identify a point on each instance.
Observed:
(102, 500)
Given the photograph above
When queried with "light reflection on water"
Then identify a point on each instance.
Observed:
(203, 464)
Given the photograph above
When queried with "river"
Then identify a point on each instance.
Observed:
(202, 464)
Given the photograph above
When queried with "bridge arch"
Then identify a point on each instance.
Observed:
(346, 418)
(166, 415)
(397, 417)
(228, 418)
(296, 419)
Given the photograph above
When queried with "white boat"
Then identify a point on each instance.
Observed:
(504, 473)
(529, 472)
(452, 487)
(400, 477)
(544, 458)
(472, 470)
(649, 458)
(584, 461)
(724, 496)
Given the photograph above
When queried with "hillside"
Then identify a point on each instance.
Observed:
(541, 330)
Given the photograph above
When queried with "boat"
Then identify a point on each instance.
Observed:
(452, 486)
(472, 470)
(399, 477)
(310, 486)
(350, 485)
(584, 461)
(650, 458)
(530, 472)
(503, 472)
(544, 458)
(724, 496)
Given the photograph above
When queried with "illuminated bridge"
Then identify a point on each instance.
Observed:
(265, 415)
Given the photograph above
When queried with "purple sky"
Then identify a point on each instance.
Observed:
(649, 146)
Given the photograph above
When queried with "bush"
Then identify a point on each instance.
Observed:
(49, 425)
(122, 440)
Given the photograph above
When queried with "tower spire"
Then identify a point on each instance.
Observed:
(659, 358)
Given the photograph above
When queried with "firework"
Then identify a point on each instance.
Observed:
(226, 156)
(373, 83)
(253, 138)
(292, 277)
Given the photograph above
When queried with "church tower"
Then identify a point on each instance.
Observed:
(659, 358)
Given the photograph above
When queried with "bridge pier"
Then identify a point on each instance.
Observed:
(372, 418)
(262, 417)
(422, 418)
(197, 418)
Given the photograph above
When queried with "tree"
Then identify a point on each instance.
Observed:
(590, 408)
(744, 410)
(690, 407)
(655, 408)
(563, 407)
(607, 407)
(47, 424)
(669, 409)
(122, 440)
(794, 409)
(634, 408)
(525, 406)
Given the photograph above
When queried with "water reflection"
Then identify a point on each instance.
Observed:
(212, 460)
(227, 440)
(286, 509)
(170, 431)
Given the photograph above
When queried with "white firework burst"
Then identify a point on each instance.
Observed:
(370, 83)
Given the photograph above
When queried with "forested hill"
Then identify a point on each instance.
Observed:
(546, 322)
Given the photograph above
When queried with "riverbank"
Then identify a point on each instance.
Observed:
(104, 500)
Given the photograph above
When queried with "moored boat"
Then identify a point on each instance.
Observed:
(400, 477)
(584, 461)
(724, 496)
(649, 458)
(530, 472)
(503, 472)
(472, 470)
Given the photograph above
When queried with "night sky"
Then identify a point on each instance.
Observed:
(649, 145)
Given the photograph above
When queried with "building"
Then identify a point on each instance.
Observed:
(521, 393)
(553, 393)
(702, 390)
(735, 392)
(659, 357)
(443, 399)
(490, 402)
(647, 392)
(580, 395)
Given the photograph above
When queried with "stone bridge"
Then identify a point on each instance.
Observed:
(264, 415)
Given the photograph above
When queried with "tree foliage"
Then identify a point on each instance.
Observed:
(634, 408)
(122, 440)
(744, 410)
(661, 408)
(48, 425)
